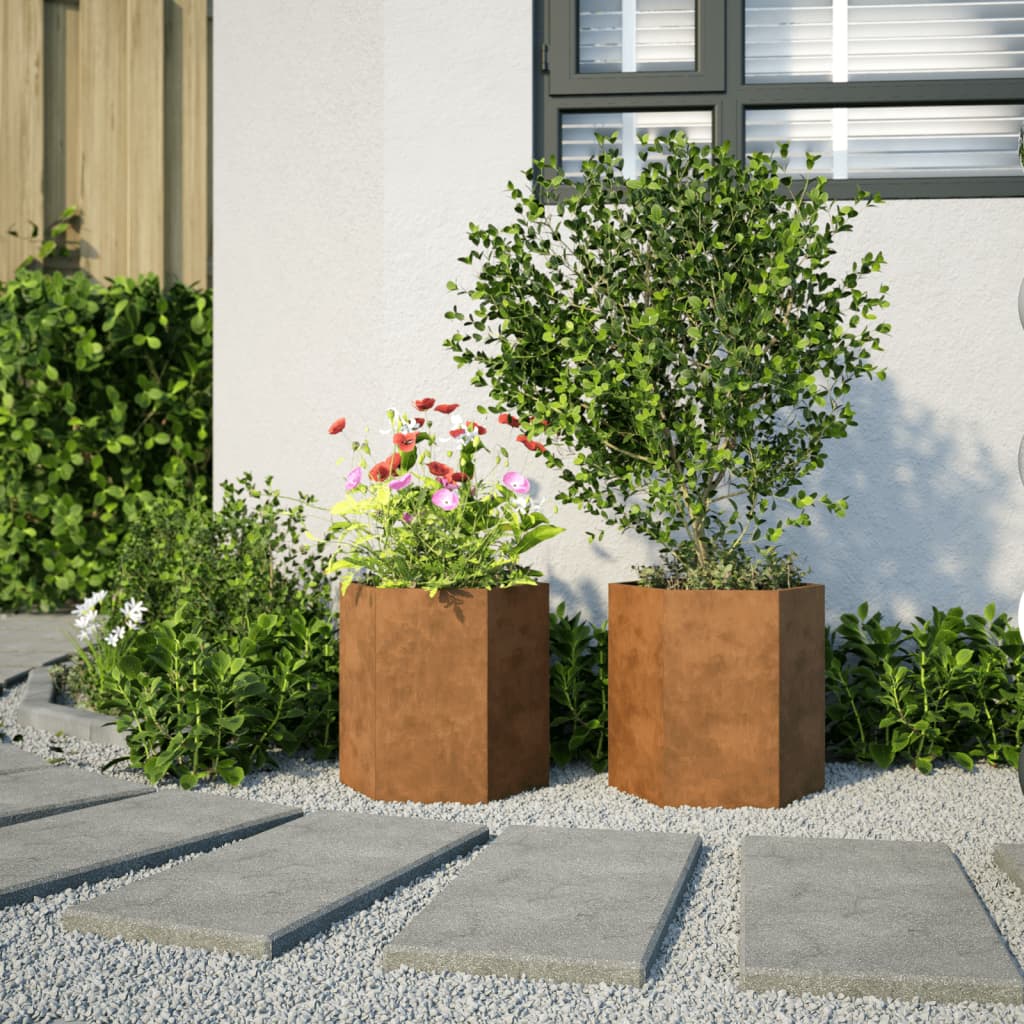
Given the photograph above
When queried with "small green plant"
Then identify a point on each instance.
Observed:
(105, 401)
(679, 338)
(443, 528)
(579, 690)
(238, 654)
(948, 688)
(194, 707)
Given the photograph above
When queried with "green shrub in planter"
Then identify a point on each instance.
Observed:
(674, 342)
(230, 650)
(105, 398)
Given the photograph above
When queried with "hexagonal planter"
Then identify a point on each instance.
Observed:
(716, 698)
(445, 698)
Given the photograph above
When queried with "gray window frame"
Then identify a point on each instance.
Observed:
(718, 85)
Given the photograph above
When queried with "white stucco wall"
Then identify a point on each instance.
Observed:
(353, 144)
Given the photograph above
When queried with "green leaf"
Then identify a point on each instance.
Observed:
(963, 760)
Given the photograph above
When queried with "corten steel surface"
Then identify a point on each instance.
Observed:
(446, 698)
(716, 698)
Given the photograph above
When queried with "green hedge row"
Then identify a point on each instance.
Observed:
(105, 401)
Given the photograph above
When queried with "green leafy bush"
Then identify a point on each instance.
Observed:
(105, 401)
(237, 655)
(949, 688)
(579, 690)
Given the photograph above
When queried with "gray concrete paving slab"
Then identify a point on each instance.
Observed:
(32, 639)
(1010, 857)
(14, 760)
(266, 894)
(51, 854)
(577, 905)
(861, 917)
(37, 710)
(39, 794)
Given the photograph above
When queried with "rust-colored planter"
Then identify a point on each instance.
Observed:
(444, 698)
(716, 698)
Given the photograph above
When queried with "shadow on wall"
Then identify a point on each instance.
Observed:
(930, 510)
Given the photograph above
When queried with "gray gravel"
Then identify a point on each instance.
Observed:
(48, 975)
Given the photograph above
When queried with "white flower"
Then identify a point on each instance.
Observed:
(133, 612)
(456, 420)
(115, 636)
(89, 603)
(87, 633)
(524, 503)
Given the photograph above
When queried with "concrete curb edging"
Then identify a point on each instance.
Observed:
(37, 710)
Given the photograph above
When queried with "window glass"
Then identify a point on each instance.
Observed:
(881, 40)
(893, 142)
(636, 35)
(578, 130)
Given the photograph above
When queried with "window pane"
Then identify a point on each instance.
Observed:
(879, 40)
(637, 35)
(577, 142)
(893, 142)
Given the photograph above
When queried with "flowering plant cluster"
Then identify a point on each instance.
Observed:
(101, 635)
(442, 528)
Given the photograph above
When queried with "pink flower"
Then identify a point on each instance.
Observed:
(516, 482)
(406, 517)
(445, 498)
(353, 479)
(399, 482)
(337, 426)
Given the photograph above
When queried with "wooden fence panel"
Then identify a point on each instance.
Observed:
(21, 127)
(120, 116)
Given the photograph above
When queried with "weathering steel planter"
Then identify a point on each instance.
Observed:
(444, 698)
(716, 698)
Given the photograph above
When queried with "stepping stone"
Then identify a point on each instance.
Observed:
(13, 759)
(39, 794)
(1010, 857)
(865, 917)
(265, 895)
(59, 852)
(577, 905)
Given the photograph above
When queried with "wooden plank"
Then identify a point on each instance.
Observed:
(21, 128)
(60, 99)
(144, 129)
(102, 70)
(186, 127)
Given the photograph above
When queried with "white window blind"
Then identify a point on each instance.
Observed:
(882, 40)
(637, 35)
(892, 142)
(578, 143)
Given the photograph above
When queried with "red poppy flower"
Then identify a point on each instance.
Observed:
(457, 433)
(419, 421)
(439, 469)
(337, 426)
(423, 404)
(476, 427)
(507, 417)
(385, 468)
(456, 477)
(447, 408)
(405, 442)
(533, 446)
(543, 423)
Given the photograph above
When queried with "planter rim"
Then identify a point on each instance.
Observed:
(451, 590)
(714, 590)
